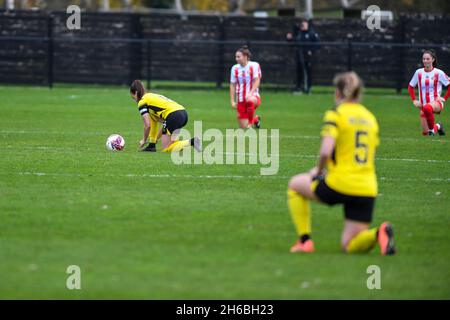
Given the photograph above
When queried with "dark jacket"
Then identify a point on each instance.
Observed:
(306, 36)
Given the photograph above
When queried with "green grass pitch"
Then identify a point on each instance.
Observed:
(141, 227)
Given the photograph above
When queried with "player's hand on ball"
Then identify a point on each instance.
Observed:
(417, 104)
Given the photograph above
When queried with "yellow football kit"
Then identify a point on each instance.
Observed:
(159, 108)
(351, 170)
(350, 179)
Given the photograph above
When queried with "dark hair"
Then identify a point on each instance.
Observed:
(245, 51)
(349, 85)
(432, 53)
(137, 88)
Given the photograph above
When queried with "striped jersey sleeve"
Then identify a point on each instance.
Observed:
(233, 75)
(413, 82)
(444, 79)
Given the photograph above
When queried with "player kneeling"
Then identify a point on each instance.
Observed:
(245, 78)
(154, 109)
(349, 139)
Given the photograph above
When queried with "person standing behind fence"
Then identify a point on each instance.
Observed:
(245, 78)
(304, 35)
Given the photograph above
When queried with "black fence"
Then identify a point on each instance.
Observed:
(37, 48)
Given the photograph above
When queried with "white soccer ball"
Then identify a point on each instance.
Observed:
(115, 142)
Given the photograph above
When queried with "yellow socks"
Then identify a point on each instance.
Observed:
(363, 241)
(300, 212)
(177, 146)
(301, 216)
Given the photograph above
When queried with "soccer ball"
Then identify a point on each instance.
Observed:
(115, 142)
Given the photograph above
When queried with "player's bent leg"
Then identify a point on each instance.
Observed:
(171, 130)
(258, 102)
(257, 118)
(253, 103)
(242, 115)
(429, 115)
(299, 193)
(165, 141)
(301, 183)
(250, 108)
(170, 145)
(357, 237)
(424, 124)
(437, 108)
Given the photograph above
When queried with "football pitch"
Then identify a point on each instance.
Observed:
(141, 227)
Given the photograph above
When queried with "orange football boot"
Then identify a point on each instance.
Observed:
(307, 246)
(386, 239)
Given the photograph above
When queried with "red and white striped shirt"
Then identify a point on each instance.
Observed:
(429, 83)
(243, 77)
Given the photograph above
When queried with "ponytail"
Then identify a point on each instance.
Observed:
(137, 88)
(349, 85)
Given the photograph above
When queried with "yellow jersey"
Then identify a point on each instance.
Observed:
(158, 106)
(351, 169)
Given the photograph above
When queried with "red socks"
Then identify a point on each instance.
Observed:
(423, 120)
(250, 111)
(429, 115)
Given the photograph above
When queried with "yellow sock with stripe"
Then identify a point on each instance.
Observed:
(300, 212)
(177, 146)
(363, 241)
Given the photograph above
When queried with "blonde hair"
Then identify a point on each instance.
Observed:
(349, 85)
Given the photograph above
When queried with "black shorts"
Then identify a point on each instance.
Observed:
(355, 208)
(175, 120)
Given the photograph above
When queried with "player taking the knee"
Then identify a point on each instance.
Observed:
(349, 139)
